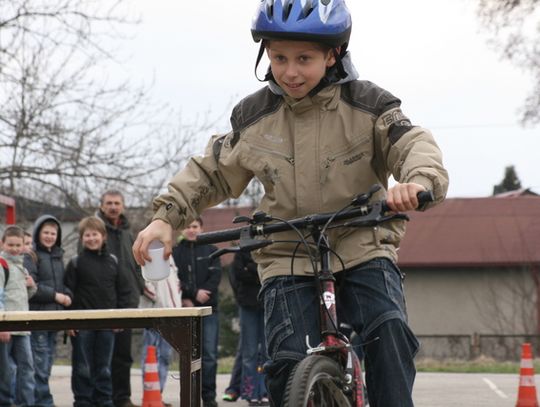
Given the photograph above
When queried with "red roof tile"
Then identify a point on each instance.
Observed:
(479, 232)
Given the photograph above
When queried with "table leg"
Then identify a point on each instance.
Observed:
(185, 335)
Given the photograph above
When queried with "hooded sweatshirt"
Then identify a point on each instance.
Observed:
(49, 271)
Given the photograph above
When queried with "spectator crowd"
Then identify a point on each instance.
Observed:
(34, 275)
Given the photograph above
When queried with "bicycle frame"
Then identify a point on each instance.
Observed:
(362, 214)
(332, 341)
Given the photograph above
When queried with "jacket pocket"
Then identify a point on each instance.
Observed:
(342, 159)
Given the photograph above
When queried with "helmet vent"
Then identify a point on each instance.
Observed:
(308, 8)
(270, 9)
(287, 11)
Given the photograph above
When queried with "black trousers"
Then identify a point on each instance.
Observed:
(121, 367)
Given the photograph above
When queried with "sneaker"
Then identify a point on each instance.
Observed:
(264, 401)
(230, 396)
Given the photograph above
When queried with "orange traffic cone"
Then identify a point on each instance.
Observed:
(152, 391)
(527, 388)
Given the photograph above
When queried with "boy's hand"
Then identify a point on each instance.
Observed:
(30, 281)
(402, 197)
(157, 230)
(5, 337)
(62, 299)
(71, 332)
(203, 295)
(187, 303)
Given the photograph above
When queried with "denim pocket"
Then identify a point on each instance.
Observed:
(393, 280)
(277, 322)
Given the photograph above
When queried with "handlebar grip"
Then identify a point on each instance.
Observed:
(425, 197)
(218, 236)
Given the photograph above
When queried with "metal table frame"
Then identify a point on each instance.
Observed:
(181, 327)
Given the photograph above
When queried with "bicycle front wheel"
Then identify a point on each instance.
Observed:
(317, 381)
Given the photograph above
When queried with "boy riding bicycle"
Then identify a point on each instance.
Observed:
(315, 136)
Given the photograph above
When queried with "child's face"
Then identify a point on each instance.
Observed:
(298, 66)
(27, 244)
(92, 239)
(13, 245)
(192, 230)
(47, 236)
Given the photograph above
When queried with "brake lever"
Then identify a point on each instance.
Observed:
(220, 252)
(375, 217)
(246, 244)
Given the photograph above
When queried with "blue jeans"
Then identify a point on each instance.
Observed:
(18, 352)
(253, 345)
(163, 353)
(236, 375)
(372, 300)
(91, 380)
(209, 356)
(43, 350)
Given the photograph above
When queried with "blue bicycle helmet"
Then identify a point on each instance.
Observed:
(325, 21)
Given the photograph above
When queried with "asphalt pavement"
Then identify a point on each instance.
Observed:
(431, 389)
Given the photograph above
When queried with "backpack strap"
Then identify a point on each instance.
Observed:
(4, 264)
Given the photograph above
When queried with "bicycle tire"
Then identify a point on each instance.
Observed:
(317, 381)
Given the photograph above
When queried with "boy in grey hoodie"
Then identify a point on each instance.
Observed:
(15, 345)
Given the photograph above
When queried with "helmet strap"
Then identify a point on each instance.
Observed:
(268, 75)
(339, 64)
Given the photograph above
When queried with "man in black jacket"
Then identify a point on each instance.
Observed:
(119, 243)
(200, 279)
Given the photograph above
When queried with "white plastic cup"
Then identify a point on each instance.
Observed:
(158, 268)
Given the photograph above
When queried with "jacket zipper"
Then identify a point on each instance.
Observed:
(287, 158)
(329, 160)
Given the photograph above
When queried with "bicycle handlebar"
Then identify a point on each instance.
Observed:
(369, 213)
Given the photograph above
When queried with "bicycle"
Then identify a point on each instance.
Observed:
(331, 373)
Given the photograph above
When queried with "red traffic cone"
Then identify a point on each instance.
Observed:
(152, 390)
(527, 388)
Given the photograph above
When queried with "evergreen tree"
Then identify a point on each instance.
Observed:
(510, 181)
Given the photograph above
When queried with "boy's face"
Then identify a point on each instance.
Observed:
(47, 236)
(27, 244)
(298, 66)
(192, 230)
(13, 245)
(92, 239)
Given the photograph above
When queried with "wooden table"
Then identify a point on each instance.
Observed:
(181, 327)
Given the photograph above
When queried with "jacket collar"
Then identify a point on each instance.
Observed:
(326, 99)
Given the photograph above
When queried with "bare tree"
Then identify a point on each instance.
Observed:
(515, 29)
(68, 129)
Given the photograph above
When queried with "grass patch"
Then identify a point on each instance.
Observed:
(479, 365)
(225, 365)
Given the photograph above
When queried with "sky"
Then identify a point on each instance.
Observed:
(433, 55)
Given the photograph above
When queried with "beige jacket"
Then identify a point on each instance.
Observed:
(311, 155)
